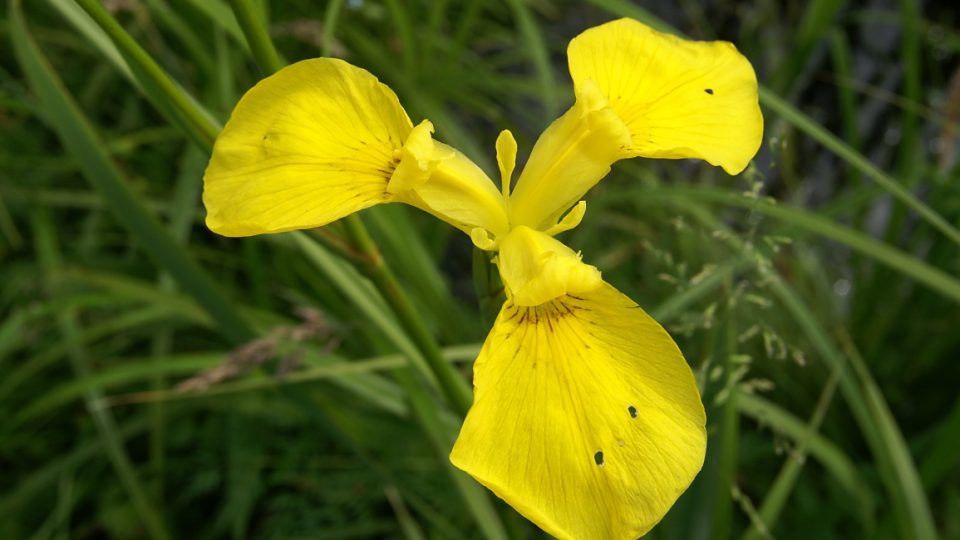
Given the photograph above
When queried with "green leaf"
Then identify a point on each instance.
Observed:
(80, 139)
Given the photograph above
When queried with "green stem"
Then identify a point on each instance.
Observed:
(453, 385)
(257, 37)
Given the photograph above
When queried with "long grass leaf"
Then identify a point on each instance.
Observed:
(162, 91)
(840, 466)
(48, 253)
(900, 477)
(779, 492)
(536, 47)
(906, 264)
(80, 139)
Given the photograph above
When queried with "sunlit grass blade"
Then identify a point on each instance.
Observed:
(80, 139)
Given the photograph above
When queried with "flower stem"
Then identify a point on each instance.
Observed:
(454, 386)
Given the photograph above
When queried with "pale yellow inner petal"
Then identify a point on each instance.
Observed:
(571, 156)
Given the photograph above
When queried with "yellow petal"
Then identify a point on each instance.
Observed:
(571, 156)
(418, 159)
(458, 192)
(586, 418)
(679, 98)
(536, 268)
(506, 159)
(306, 146)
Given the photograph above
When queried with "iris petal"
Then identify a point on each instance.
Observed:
(312, 143)
(586, 418)
(321, 139)
(679, 98)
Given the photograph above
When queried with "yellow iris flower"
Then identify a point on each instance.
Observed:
(586, 417)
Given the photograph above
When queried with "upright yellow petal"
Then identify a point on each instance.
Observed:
(571, 156)
(458, 192)
(679, 98)
(308, 145)
(586, 418)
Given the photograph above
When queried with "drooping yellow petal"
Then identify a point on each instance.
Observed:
(321, 139)
(571, 156)
(536, 268)
(586, 418)
(679, 98)
(308, 145)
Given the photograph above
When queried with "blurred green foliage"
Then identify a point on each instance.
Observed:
(816, 295)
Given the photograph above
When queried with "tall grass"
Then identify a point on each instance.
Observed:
(816, 296)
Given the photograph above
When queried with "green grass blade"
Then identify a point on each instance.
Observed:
(943, 458)
(536, 47)
(856, 160)
(776, 497)
(255, 30)
(330, 19)
(906, 264)
(165, 94)
(908, 499)
(828, 454)
(49, 256)
(221, 15)
(93, 34)
(408, 526)
(33, 486)
(80, 139)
